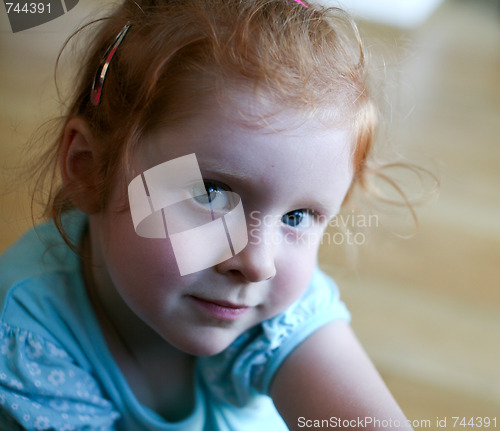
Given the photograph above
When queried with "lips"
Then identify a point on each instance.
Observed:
(220, 309)
(226, 304)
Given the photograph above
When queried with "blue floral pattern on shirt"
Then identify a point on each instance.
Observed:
(42, 388)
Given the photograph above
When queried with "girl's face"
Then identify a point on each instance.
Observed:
(291, 176)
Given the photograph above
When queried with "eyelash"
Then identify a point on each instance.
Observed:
(313, 214)
(207, 197)
(211, 189)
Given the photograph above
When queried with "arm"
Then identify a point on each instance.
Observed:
(330, 377)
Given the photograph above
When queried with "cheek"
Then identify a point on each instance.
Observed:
(137, 264)
(293, 276)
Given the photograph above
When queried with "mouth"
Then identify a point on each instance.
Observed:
(220, 309)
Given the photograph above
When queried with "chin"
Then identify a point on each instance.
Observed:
(202, 350)
(205, 345)
(206, 351)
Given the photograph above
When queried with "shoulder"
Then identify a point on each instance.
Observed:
(41, 250)
(39, 278)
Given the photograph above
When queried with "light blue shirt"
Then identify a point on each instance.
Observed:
(57, 373)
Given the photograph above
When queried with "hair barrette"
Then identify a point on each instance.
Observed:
(100, 76)
(301, 2)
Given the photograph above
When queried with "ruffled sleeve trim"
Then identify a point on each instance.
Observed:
(290, 344)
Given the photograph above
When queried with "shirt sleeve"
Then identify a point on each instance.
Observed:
(42, 388)
(246, 368)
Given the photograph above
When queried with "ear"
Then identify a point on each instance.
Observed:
(79, 167)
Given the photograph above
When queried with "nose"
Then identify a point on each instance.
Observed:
(256, 262)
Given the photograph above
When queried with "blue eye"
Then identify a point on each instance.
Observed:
(212, 194)
(298, 218)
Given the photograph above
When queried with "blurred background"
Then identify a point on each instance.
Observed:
(427, 309)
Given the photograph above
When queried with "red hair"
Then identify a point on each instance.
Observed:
(310, 59)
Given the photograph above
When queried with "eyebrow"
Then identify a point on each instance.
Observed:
(220, 169)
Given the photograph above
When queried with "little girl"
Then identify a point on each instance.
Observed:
(207, 147)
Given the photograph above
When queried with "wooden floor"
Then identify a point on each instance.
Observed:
(427, 309)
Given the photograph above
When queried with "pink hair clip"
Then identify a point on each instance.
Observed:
(95, 94)
(302, 3)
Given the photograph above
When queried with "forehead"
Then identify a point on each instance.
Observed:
(224, 124)
(253, 139)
